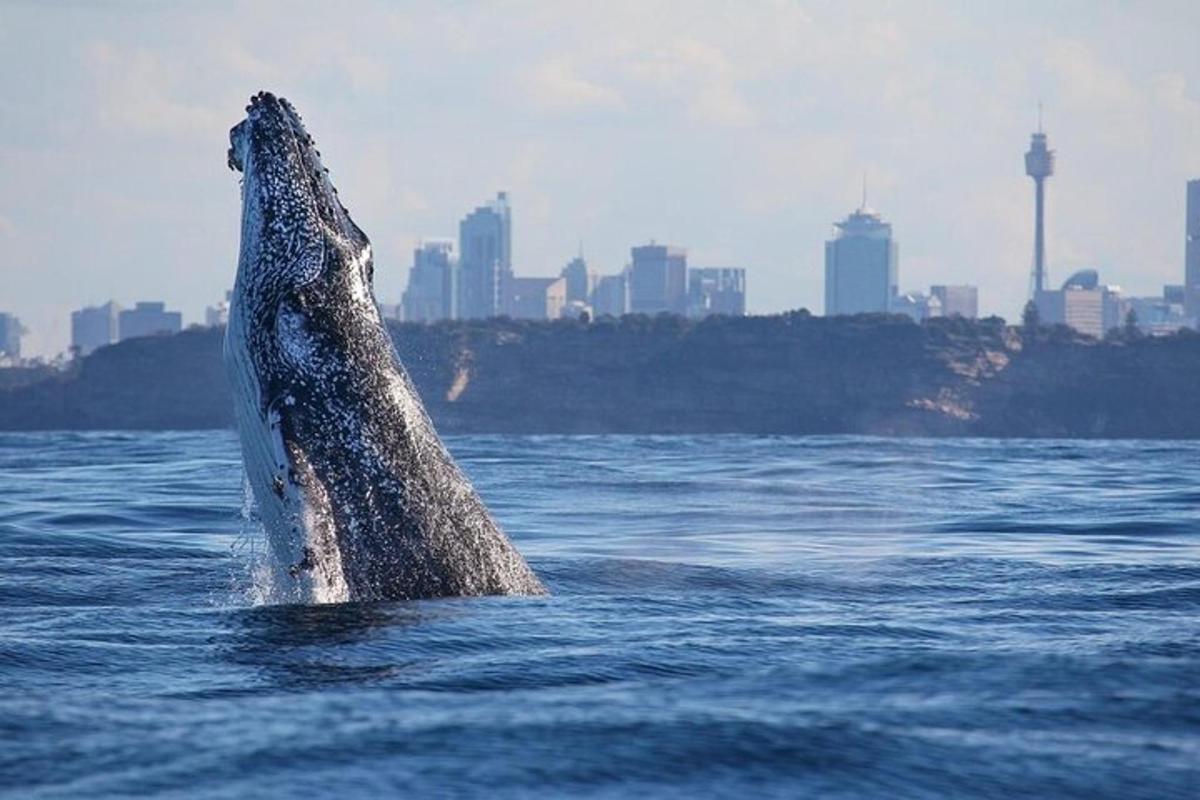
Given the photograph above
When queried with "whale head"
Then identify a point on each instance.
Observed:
(294, 228)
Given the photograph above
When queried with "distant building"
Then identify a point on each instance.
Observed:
(1113, 307)
(611, 295)
(10, 336)
(1081, 309)
(537, 298)
(918, 306)
(1083, 304)
(1156, 316)
(957, 301)
(432, 283)
(860, 265)
(580, 280)
(94, 327)
(485, 255)
(1191, 255)
(218, 316)
(658, 279)
(148, 319)
(716, 290)
(1039, 165)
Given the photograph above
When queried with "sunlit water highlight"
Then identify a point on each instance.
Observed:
(732, 616)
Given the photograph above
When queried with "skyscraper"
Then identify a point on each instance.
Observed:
(1039, 165)
(432, 283)
(94, 326)
(485, 253)
(579, 279)
(861, 265)
(658, 279)
(610, 297)
(1191, 273)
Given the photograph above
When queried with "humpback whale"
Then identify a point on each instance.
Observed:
(359, 498)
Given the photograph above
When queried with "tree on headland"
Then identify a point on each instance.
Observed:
(1132, 331)
(1031, 318)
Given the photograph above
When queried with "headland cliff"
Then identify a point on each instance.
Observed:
(785, 374)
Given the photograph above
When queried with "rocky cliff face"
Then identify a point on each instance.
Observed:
(792, 373)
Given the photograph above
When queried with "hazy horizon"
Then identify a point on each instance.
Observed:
(741, 132)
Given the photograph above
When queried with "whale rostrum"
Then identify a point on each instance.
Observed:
(359, 498)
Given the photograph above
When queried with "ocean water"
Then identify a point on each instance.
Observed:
(731, 617)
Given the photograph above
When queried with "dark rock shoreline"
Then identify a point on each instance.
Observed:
(785, 374)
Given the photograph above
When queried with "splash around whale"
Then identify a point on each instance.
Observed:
(359, 498)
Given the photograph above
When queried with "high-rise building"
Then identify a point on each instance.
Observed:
(94, 326)
(716, 290)
(957, 301)
(658, 280)
(580, 280)
(10, 336)
(1191, 272)
(610, 297)
(1039, 165)
(861, 265)
(148, 319)
(485, 255)
(537, 298)
(432, 283)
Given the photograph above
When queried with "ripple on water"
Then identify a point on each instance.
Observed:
(766, 616)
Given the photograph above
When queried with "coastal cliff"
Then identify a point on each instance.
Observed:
(786, 374)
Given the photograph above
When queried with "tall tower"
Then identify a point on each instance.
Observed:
(1039, 165)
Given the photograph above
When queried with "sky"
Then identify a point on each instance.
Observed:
(738, 130)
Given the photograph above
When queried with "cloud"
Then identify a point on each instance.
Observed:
(1170, 91)
(137, 91)
(1084, 79)
(555, 84)
(698, 73)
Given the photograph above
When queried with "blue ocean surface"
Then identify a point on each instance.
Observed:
(731, 616)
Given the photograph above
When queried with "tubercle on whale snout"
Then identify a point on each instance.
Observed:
(257, 110)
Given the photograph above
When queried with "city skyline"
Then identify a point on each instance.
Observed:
(657, 279)
(741, 135)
